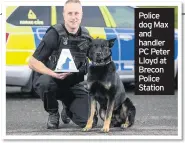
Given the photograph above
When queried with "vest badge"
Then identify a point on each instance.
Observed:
(65, 40)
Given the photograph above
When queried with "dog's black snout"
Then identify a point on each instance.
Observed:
(98, 54)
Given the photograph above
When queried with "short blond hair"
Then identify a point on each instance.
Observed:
(72, 1)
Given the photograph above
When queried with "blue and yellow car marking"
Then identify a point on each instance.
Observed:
(19, 46)
(127, 45)
(23, 40)
(38, 33)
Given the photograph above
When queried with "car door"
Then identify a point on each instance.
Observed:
(23, 26)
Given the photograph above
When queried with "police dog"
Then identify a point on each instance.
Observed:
(105, 86)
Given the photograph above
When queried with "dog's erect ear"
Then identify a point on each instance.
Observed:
(111, 42)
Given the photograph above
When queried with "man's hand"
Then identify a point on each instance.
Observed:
(60, 75)
(41, 68)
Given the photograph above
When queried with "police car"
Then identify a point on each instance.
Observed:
(26, 26)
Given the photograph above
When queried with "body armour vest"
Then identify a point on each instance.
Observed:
(78, 50)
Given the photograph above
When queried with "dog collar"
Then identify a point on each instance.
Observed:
(105, 61)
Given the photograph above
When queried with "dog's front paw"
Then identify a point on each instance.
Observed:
(105, 129)
(86, 128)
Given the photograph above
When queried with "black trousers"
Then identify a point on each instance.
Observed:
(75, 98)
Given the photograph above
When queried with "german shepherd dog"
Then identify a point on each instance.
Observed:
(105, 86)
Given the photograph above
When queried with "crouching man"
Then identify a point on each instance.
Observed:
(52, 86)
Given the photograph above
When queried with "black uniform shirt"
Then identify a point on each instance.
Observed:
(50, 43)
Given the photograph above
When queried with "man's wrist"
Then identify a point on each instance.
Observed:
(50, 72)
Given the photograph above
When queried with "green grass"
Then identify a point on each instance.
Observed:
(175, 7)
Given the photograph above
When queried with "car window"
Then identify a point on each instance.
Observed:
(123, 16)
(92, 16)
(31, 15)
(59, 14)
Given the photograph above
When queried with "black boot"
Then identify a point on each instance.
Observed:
(64, 115)
(53, 120)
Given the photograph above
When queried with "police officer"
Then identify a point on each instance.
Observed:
(52, 86)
